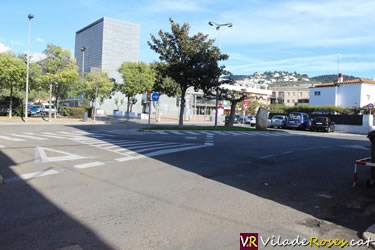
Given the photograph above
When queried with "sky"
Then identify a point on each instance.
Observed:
(267, 35)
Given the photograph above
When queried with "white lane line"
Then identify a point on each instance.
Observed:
(191, 133)
(287, 152)
(128, 158)
(160, 132)
(220, 133)
(207, 133)
(246, 133)
(139, 143)
(52, 135)
(38, 138)
(10, 138)
(176, 132)
(89, 164)
(268, 156)
(233, 133)
(161, 147)
(173, 150)
(148, 146)
(191, 137)
(38, 174)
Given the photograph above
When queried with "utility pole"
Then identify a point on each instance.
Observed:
(30, 16)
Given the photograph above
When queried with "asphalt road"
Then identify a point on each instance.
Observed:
(106, 187)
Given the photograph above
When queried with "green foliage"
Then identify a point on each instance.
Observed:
(191, 61)
(12, 75)
(283, 109)
(74, 112)
(138, 78)
(163, 83)
(59, 68)
(331, 78)
(97, 84)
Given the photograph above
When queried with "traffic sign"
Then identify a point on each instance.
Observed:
(370, 106)
(246, 101)
(155, 97)
(220, 105)
(245, 106)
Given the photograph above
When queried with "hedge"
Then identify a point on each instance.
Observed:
(74, 112)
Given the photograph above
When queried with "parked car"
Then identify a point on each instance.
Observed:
(279, 121)
(238, 119)
(322, 123)
(253, 120)
(34, 109)
(45, 108)
(298, 120)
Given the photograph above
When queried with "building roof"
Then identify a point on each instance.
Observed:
(354, 81)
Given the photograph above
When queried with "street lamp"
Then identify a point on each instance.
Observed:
(83, 49)
(218, 26)
(30, 16)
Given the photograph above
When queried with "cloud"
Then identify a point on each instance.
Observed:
(36, 57)
(4, 48)
(40, 40)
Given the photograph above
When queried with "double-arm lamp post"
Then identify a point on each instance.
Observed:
(218, 26)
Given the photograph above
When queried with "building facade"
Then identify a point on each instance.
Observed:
(352, 93)
(105, 44)
(290, 95)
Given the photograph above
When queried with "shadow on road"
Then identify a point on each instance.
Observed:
(30, 221)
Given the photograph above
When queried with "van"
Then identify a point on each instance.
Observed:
(299, 120)
(45, 108)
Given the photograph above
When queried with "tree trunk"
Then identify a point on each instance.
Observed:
(11, 101)
(128, 109)
(232, 113)
(182, 108)
(56, 107)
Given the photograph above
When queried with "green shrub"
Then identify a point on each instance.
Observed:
(74, 112)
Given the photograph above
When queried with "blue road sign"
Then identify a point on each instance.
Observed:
(155, 96)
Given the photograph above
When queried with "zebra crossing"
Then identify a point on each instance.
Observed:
(121, 150)
(220, 133)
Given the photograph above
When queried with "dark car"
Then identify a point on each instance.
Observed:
(238, 119)
(322, 123)
(298, 120)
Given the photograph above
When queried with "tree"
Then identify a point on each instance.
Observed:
(191, 61)
(12, 75)
(138, 78)
(97, 85)
(60, 71)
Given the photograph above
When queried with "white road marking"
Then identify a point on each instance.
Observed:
(268, 156)
(287, 152)
(191, 137)
(175, 132)
(89, 164)
(246, 133)
(38, 174)
(10, 138)
(38, 138)
(220, 132)
(173, 150)
(41, 156)
(159, 147)
(160, 132)
(52, 135)
(324, 196)
(191, 132)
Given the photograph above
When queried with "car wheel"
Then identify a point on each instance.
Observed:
(329, 130)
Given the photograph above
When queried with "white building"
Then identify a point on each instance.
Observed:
(352, 93)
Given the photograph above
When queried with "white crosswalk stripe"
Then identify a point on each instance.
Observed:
(10, 138)
(38, 138)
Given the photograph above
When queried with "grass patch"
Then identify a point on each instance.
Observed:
(209, 128)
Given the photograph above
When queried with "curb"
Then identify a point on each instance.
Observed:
(370, 233)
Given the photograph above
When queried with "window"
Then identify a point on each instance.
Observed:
(294, 93)
(293, 101)
(317, 93)
(300, 93)
(288, 101)
(368, 97)
(287, 93)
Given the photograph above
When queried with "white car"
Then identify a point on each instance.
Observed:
(45, 108)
